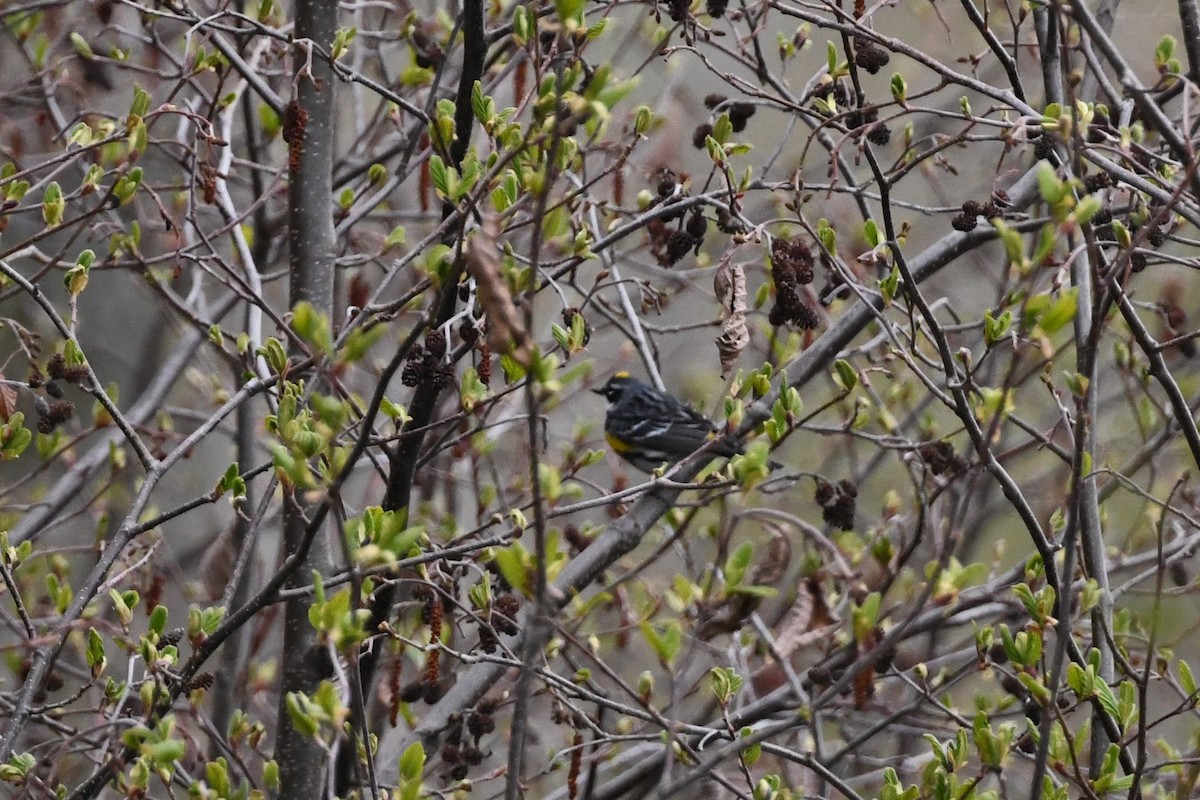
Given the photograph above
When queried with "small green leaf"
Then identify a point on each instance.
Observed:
(158, 620)
(995, 328)
(1164, 51)
(53, 204)
(726, 683)
(300, 716)
(81, 46)
(14, 437)
(642, 120)
(272, 351)
(750, 756)
(1052, 189)
(846, 376)
(17, 768)
(1011, 239)
(312, 327)
(141, 102)
(1060, 312)
(269, 121)
(412, 762)
(827, 236)
(1186, 679)
(871, 233)
(722, 129)
(75, 279)
(480, 104)
(96, 659)
(397, 237)
(439, 173)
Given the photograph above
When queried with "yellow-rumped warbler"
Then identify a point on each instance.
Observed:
(648, 428)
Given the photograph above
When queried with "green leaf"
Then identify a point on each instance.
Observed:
(341, 42)
(141, 102)
(716, 152)
(866, 615)
(53, 204)
(412, 762)
(471, 390)
(216, 775)
(1186, 679)
(642, 120)
(1011, 240)
(1078, 680)
(1035, 687)
(123, 604)
(522, 26)
(312, 327)
(158, 620)
(871, 233)
(96, 659)
(1108, 700)
(164, 752)
(751, 755)
(273, 353)
(439, 173)
(738, 563)
(1089, 206)
(75, 279)
(890, 284)
(1052, 189)
(726, 683)
(396, 238)
(302, 719)
(14, 437)
(846, 376)
(1061, 311)
(269, 121)
(1164, 51)
(1121, 234)
(827, 236)
(17, 768)
(394, 411)
(511, 563)
(995, 328)
(480, 104)
(570, 13)
(722, 129)
(666, 645)
(81, 46)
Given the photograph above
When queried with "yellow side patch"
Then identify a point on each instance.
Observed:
(616, 444)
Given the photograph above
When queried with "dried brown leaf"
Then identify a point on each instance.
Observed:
(729, 285)
(8, 399)
(29, 341)
(808, 622)
(770, 571)
(216, 564)
(505, 329)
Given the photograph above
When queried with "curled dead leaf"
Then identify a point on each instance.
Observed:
(770, 570)
(8, 399)
(808, 622)
(506, 331)
(729, 285)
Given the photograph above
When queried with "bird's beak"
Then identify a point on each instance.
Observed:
(598, 391)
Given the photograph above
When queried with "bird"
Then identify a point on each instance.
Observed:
(648, 427)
